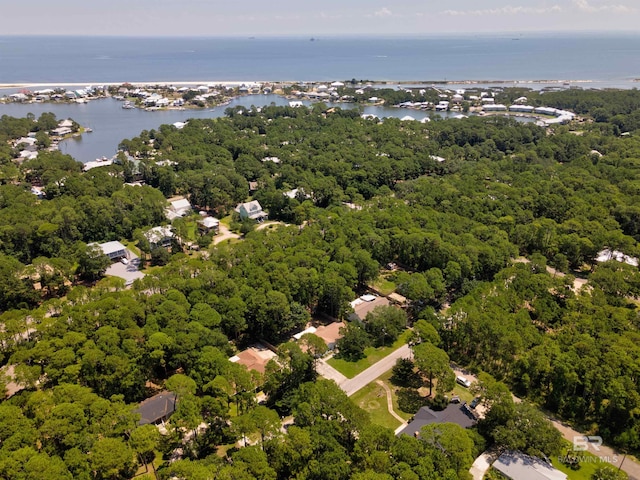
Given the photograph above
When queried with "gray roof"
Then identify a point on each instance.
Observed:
(111, 247)
(518, 466)
(157, 407)
(454, 413)
(252, 209)
(158, 234)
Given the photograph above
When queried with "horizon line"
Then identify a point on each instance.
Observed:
(318, 36)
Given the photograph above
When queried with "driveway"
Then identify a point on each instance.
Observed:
(482, 464)
(328, 372)
(224, 234)
(129, 272)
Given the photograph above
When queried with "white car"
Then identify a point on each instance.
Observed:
(463, 381)
(124, 261)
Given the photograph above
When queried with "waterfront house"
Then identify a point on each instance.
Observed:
(521, 108)
(18, 97)
(497, 107)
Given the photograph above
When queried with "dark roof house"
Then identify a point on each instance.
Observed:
(157, 409)
(454, 413)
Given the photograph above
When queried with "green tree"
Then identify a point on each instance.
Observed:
(144, 440)
(453, 441)
(111, 458)
(432, 362)
(353, 341)
(266, 421)
(92, 263)
(385, 323)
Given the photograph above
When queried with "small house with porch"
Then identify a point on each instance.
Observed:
(207, 225)
(251, 210)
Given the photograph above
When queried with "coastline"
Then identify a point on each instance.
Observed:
(235, 83)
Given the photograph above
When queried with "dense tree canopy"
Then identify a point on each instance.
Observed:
(86, 354)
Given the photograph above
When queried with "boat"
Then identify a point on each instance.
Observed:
(128, 105)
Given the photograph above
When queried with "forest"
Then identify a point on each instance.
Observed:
(475, 236)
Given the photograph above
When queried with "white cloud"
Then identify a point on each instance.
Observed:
(383, 12)
(585, 6)
(507, 10)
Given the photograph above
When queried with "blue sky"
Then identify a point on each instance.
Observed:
(301, 17)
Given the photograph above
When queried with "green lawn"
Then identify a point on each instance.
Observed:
(586, 470)
(226, 221)
(373, 399)
(384, 286)
(372, 355)
(464, 393)
(386, 378)
(132, 246)
(588, 466)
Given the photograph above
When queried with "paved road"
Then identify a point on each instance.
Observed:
(607, 454)
(354, 384)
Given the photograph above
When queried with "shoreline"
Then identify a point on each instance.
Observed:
(233, 83)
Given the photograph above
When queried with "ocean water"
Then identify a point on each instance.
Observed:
(604, 59)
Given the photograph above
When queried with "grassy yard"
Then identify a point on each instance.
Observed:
(464, 393)
(587, 467)
(226, 221)
(384, 286)
(373, 399)
(372, 355)
(132, 246)
(144, 473)
(386, 378)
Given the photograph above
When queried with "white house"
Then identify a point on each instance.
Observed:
(251, 210)
(178, 208)
(518, 466)
(497, 107)
(271, 159)
(113, 250)
(159, 236)
(608, 254)
(209, 224)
